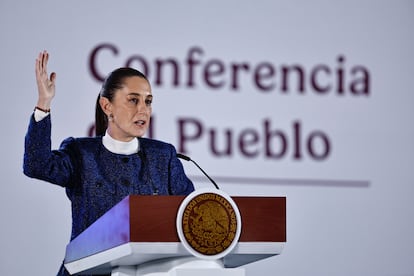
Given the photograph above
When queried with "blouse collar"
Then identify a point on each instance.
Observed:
(120, 147)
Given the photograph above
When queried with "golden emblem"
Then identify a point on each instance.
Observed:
(209, 223)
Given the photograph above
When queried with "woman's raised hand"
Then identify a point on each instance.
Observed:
(45, 83)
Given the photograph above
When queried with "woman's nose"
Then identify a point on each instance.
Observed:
(141, 106)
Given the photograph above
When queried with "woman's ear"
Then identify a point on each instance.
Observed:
(105, 105)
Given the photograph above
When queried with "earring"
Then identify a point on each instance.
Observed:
(110, 117)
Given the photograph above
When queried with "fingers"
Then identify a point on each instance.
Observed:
(37, 64)
(41, 66)
(41, 62)
(45, 58)
(53, 77)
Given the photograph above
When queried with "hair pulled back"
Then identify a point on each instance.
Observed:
(112, 83)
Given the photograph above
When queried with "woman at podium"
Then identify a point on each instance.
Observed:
(98, 172)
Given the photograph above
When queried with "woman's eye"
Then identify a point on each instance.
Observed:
(148, 102)
(134, 100)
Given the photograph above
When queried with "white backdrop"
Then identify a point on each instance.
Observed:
(349, 212)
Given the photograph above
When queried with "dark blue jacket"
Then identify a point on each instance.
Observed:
(95, 178)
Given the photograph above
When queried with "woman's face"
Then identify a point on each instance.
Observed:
(130, 110)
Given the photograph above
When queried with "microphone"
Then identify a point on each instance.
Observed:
(186, 158)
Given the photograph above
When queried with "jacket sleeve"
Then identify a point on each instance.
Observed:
(180, 183)
(164, 167)
(40, 161)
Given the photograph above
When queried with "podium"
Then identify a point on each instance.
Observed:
(139, 234)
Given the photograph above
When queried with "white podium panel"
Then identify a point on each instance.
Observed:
(209, 272)
(186, 266)
(165, 256)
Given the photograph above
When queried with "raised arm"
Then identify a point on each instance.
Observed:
(39, 160)
(45, 83)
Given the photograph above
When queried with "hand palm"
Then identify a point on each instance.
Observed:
(45, 84)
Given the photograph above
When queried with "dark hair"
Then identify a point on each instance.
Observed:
(112, 83)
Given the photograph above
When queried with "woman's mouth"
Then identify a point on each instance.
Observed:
(140, 122)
